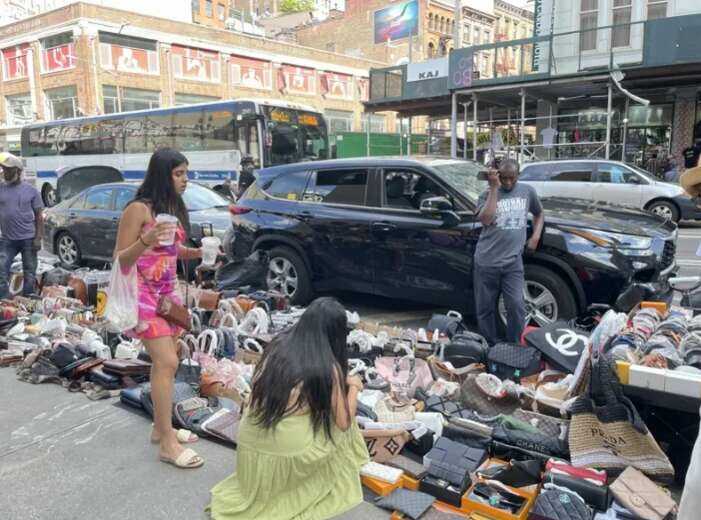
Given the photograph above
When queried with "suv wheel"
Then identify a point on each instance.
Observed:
(68, 251)
(288, 274)
(548, 298)
(665, 209)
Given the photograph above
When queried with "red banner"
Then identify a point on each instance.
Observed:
(250, 73)
(15, 63)
(128, 59)
(58, 58)
(299, 80)
(337, 86)
(195, 64)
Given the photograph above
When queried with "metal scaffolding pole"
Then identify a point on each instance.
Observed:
(464, 130)
(454, 127)
(608, 121)
(368, 121)
(625, 130)
(508, 138)
(408, 142)
(474, 127)
(491, 133)
(400, 126)
(523, 125)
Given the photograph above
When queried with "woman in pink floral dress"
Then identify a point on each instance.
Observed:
(139, 243)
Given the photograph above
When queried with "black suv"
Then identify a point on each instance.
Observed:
(407, 228)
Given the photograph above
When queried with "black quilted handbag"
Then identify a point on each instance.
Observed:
(465, 349)
(554, 504)
(537, 442)
(511, 361)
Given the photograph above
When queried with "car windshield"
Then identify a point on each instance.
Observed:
(642, 172)
(463, 176)
(198, 198)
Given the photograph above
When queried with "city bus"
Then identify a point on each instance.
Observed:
(213, 136)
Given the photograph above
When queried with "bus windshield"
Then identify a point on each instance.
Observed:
(295, 135)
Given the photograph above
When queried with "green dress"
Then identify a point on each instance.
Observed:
(290, 473)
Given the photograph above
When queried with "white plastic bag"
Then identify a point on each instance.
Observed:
(122, 309)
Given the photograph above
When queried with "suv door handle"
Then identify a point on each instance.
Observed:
(383, 227)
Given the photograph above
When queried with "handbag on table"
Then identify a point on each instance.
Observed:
(385, 444)
(474, 397)
(405, 374)
(393, 410)
(512, 361)
(642, 496)
(606, 431)
(560, 504)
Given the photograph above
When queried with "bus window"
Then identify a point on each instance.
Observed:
(37, 145)
(135, 135)
(248, 142)
(188, 130)
(90, 143)
(159, 132)
(112, 136)
(69, 141)
(219, 130)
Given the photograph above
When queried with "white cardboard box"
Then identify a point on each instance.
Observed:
(683, 383)
(647, 377)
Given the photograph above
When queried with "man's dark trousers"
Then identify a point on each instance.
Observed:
(9, 249)
(489, 283)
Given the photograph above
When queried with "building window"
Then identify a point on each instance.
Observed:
(208, 8)
(431, 50)
(62, 102)
(193, 99)
(128, 54)
(195, 6)
(123, 99)
(57, 53)
(431, 22)
(588, 16)
(487, 37)
(621, 17)
(476, 38)
(339, 121)
(377, 123)
(19, 109)
(656, 9)
(221, 12)
(466, 35)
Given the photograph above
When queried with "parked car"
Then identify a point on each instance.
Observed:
(84, 226)
(407, 228)
(612, 182)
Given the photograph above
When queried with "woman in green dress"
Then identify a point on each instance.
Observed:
(299, 447)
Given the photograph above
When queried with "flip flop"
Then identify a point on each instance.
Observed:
(188, 459)
(184, 437)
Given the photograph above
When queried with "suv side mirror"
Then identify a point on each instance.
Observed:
(440, 206)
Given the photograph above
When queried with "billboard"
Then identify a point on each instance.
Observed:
(398, 21)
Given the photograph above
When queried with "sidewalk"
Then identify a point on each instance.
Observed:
(64, 457)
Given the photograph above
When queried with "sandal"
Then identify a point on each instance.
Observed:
(184, 437)
(188, 459)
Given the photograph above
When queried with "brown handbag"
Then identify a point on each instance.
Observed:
(209, 300)
(641, 495)
(169, 309)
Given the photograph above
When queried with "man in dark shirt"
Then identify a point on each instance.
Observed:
(692, 154)
(246, 176)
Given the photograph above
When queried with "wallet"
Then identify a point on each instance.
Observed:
(641, 495)
(452, 461)
(408, 466)
(442, 490)
(595, 476)
(515, 474)
(596, 496)
(381, 472)
(497, 497)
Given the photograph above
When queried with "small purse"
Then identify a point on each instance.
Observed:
(642, 496)
(169, 308)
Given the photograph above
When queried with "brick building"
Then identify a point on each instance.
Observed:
(84, 59)
(483, 21)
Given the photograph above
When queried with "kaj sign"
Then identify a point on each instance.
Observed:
(430, 69)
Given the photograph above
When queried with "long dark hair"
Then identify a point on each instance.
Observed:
(313, 355)
(158, 189)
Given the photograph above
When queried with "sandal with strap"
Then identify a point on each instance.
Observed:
(184, 437)
(188, 459)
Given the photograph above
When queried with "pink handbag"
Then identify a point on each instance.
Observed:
(404, 374)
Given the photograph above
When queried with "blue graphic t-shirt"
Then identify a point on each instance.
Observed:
(502, 242)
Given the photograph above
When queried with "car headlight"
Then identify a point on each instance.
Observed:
(634, 244)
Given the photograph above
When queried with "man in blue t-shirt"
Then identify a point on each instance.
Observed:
(20, 224)
(503, 212)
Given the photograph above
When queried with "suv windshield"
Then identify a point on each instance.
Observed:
(461, 175)
(198, 198)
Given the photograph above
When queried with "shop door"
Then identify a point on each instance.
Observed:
(644, 145)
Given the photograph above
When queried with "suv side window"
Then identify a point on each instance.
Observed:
(572, 172)
(338, 187)
(541, 172)
(615, 174)
(288, 186)
(405, 189)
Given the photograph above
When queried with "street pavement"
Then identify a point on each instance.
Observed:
(64, 457)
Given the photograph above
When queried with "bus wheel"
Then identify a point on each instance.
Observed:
(48, 195)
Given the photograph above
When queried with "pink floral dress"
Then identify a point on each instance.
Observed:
(157, 276)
